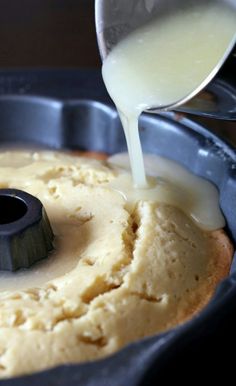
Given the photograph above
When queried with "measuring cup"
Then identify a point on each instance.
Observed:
(215, 97)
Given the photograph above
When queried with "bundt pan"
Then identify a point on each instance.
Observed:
(71, 110)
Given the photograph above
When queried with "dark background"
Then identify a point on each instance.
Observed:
(48, 33)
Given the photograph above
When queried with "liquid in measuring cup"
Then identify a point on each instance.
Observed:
(163, 62)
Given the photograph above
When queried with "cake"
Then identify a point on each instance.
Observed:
(115, 275)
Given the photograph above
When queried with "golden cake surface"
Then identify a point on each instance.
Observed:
(115, 275)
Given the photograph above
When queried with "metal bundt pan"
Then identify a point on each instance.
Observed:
(70, 109)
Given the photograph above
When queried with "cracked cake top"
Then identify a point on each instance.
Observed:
(116, 274)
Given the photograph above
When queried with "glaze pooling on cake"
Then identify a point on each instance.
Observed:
(121, 275)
